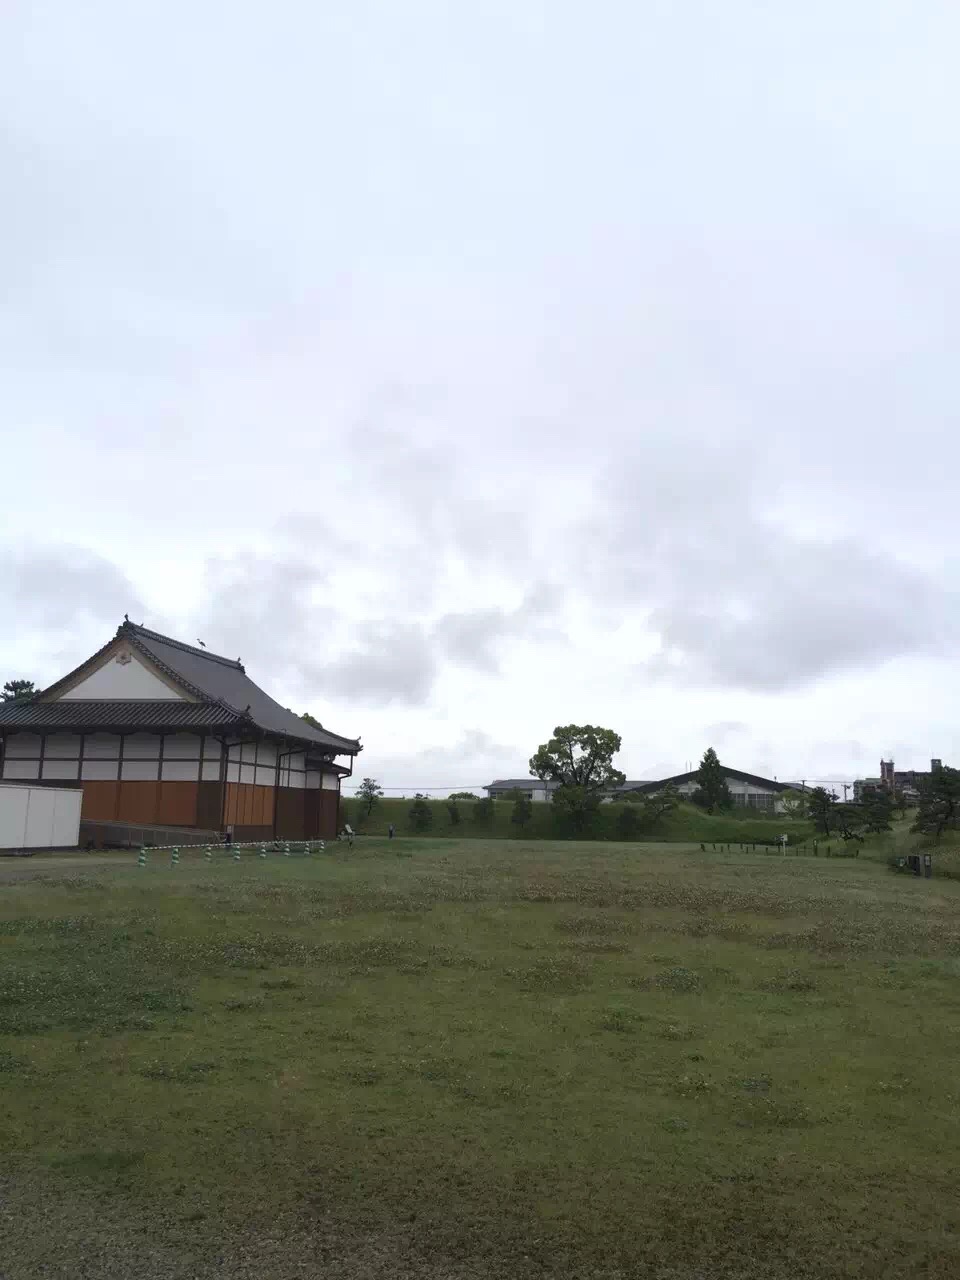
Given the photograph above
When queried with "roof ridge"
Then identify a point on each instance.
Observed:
(147, 634)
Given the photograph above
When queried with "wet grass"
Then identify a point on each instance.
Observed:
(498, 1060)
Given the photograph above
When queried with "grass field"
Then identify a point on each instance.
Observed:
(473, 1059)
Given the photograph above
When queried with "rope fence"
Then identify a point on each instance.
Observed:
(288, 848)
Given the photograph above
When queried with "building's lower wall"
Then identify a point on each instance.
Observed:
(254, 812)
(164, 803)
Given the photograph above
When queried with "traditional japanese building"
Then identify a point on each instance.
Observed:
(158, 732)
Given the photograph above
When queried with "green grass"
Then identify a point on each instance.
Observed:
(459, 1059)
(686, 824)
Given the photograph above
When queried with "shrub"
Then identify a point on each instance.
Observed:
(421, 815)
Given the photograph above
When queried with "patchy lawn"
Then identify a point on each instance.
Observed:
(444, 1059)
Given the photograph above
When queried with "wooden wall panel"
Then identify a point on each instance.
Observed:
(209, 805)
(290, 813)
(100, 801)
(137, 801)
(178, 804)
(249, 805)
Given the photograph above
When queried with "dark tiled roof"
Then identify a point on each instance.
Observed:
(520, 784)
(77, 715)
(225, 680)
(226, 696)
(769, 784)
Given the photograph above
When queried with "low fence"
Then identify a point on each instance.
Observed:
(263, 848)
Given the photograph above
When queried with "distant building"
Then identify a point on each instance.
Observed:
(532, 788)
(536, 790)
(908, 782)
(749, 791)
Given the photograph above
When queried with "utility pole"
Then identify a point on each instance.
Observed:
(846, 788)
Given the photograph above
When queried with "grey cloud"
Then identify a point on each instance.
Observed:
(722, 730)
(737, 600)
(473, 760)
(64, 586)
(392, 662)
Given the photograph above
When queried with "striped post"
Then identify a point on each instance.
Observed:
(263, 851)
(175, 858)
(286, 850)
(322, 846)
(142, 857)
(208, 854)
(236, 853)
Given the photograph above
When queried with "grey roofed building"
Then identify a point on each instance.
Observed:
(532, 788)
(748, 790)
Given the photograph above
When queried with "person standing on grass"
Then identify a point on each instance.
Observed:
(391, 830)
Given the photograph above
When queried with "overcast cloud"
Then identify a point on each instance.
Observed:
(473, 369)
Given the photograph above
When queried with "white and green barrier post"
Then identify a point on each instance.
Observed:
(286, 850)
(175, 858)
(263, 851)
(208, 854)
(142, 857)
(236, 853)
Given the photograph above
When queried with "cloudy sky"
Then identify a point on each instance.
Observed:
(472, 369)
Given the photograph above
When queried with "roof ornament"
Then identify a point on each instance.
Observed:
(200, 643)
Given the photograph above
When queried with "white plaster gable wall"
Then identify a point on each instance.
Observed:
(122, 679)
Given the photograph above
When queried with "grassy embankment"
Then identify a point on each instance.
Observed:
(687, 824)
(467, 1059)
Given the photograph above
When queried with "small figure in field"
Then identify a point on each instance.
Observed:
(391, 831)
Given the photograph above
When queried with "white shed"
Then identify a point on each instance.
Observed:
(39, 817)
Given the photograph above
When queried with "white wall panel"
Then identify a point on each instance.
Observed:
(14, 802)
(139, 770)
(117, 680)
(298, 761)
(62, 746)
(233, 771)
(99, 770)
(296, 780)
(211, 771)
(331, 782)
(141, 746)
(101, 746)
(313, 779)
(23, 744)
(247, 752)
(248, 773)
(268, 754)
(179, 770)
(266, 777)
(181, 746)
(211, 749)
(60, 769)
(39, 817)
(21, 768)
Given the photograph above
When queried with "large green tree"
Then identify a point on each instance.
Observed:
(712, 790)
(14, 689)
(578, 759)
(939, 808)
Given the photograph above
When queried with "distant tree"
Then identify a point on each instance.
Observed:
(658, 804)
(821, 807)
(463, 795)
(576, 808)
(579, 760)
(522, 810)
(368, 793)
(849, 821)
(712, 790)
(939, 808)
(628, 822)
(14, 689)
(421, 815)
(483, 812)
(579, 755)
(876, 808)
(311, 720)
(453, 809)
(794, 804)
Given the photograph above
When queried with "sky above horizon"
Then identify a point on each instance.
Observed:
(470, 370)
